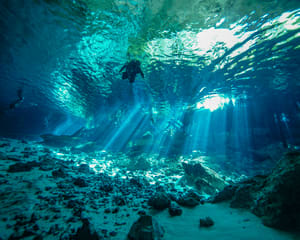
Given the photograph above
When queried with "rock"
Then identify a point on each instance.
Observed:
(80, 182)
(159, 201)
(206, 222)
(119, 201)
(115, 210)
(243, 197)
(187, 201)
(46, 163)
(59, 173)
(74, 203)
(243, 194)
(204, 186)
(190, 199)
(226, 194)
(107, 188)
(45, 167)
(204, 178)
(104, 232)
(141, 212)
(175, 210)
(274, 198)
(145, 228)
(137, 182)
(85, 232)
(84, 168)
(22, 167)
(107, 210)
(278, 203)
(194, 195)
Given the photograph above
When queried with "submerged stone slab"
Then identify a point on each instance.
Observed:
(205, 179)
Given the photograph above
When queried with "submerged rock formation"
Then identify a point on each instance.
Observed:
(189, 199)
(145, 228)
(275, 198)
(159, 201)
(86, 232)
(203, 178)
(174, 210)
(279, 202)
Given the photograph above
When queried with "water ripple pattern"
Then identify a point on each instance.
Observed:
(69, 53)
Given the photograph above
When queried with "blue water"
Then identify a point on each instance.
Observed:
(221, 78)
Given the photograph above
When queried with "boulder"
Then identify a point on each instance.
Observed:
(190, 199)
(226, 194)
(59, 173)
(159, 201)
(86, 232)
(146, 228)
(206, 222)
(80, 182)
(175, 210)
(205, 179)
(84, 168)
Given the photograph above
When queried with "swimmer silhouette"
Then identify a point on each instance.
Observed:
(132, 68)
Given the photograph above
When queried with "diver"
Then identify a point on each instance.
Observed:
(17, 102)
(132, 68)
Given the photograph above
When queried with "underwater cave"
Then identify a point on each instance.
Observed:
(150, 119)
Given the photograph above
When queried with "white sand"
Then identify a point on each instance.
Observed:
(230, 224)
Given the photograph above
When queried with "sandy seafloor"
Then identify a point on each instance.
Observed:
(52, 207)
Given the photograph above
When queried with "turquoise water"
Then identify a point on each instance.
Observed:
(221, 77)
(82, 149)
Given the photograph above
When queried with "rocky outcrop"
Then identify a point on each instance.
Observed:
(226, 194)
(145, 228)
(275, 198)
(278, 204)
(203, 178)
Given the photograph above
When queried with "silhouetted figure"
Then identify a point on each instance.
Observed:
(132, 68)
(20, 99)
